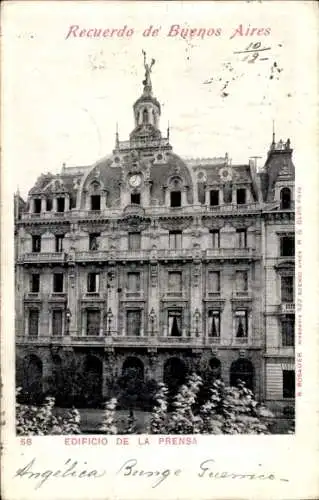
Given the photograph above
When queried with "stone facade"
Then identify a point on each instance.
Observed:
(163, 264)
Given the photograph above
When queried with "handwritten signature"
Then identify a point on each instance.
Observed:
(207, 469)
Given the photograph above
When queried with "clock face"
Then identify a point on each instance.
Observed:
(135, 180)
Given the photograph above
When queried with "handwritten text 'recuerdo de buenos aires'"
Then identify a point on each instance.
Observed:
(173, 31)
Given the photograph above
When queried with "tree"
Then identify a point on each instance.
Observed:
(158, 422)
(41, 421)
(233, 410)
(109, 417)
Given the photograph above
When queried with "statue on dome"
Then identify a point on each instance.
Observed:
(148, 69)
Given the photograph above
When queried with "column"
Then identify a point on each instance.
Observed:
(184, 197)
(153, 299)
(54, 204)
(72, 301)
(43, 204)
(103, 200)
(112, 301)
(196, 302)
(31, 205)
(66, 203)
(206, 196)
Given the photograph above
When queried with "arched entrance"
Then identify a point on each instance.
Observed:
(32, 379)
(93, 376)
(242, 370)
(131, 383)
(215, 368)
(175, 372)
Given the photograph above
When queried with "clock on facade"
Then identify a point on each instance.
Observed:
(135, 180)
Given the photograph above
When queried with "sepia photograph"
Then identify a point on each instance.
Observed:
(156, 293)
(159, 249)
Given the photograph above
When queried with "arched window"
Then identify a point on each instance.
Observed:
(215, 367)
(145, 116)
(242, 370)
(285, 199)
(175, 372)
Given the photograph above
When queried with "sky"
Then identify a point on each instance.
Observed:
(63, 95)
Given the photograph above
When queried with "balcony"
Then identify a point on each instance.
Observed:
(230, 208)
(42, 258)
(287, 308)
(230, 253)
(157, 143)
(57, 297)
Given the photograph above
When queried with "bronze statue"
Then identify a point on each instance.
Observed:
(148, 69)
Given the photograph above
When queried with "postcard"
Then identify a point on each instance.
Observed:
(159, 250)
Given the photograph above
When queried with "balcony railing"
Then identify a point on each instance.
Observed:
(231, 253)
(42, 257)
(287, 308)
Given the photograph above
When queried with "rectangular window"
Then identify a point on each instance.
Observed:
(93, 282)
(241, 282)
(58, 283)
(133, 323)
(288, 330)
(37, 205)
(49, 205)
(95, 202)
(59, 243)
(93, 320)
(241, 196)
(72, 202)
(241, 324)
(214, 282)
(175, 240)
(214, 324)
(215, 235)
(135, 198)
(133, 282)
(176, 199)
(287, 289)
(36, 244)
(33, 322)
(60, 204)
(35, 283)
(288, 383)
(94, 241)
(134, 241)
(57, 322)
(287, 246)
(214, 197)
(175, 282)
(241, 238)
(175, 323)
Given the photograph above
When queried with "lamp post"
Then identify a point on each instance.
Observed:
(109, 315)
(152, 319)
(68, 316)
(196, 316)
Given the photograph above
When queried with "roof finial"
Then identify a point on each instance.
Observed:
(148, 69)
(117, 135)
(168, 130)
(273, 132)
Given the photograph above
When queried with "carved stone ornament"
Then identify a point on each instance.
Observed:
(242, 222)
(175, 223)
(154, 275)
(212, 222)
(196, 274)
(133, 222)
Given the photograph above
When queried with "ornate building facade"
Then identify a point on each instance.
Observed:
(166, 265)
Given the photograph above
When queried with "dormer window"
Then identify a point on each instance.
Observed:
(285, 199)
(136, 198)
(48, 205)
(241, 196)
(60, 204)
(176, 198)
(95, 202)
(37, 205)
